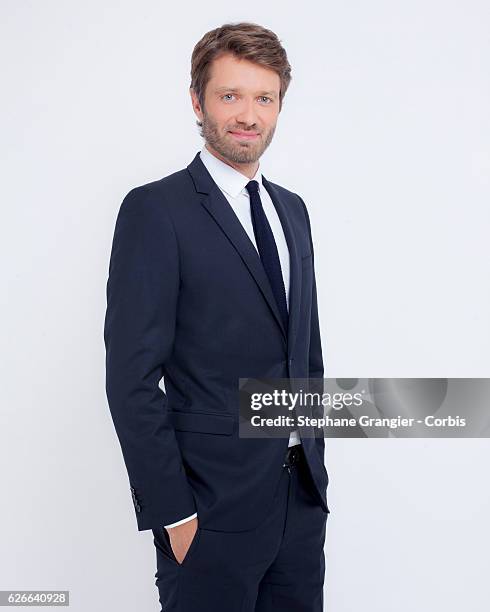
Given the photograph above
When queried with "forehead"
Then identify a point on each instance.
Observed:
(230, 72)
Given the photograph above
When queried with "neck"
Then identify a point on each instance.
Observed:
(247, 169)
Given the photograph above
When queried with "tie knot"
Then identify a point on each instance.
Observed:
(252, 187)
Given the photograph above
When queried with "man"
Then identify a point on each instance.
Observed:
(211, 279)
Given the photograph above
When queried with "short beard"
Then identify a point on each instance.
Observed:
(237, 153)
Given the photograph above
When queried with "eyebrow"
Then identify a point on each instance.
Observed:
(235, 89)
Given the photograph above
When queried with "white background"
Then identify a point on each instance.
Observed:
(385, 133)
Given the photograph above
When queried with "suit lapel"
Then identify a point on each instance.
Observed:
(219, 208)
(295, 268)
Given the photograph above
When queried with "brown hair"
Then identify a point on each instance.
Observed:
(246, 41)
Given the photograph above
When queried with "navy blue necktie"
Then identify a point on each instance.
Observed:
(267, 248)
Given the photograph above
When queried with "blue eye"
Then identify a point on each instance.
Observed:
(228, 96)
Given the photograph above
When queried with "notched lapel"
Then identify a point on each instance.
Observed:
(219, 208)
(295, 267)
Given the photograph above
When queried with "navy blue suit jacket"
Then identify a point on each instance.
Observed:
(188, 300)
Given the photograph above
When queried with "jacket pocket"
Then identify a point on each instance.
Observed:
(200, 422)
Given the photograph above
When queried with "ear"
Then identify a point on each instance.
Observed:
(196, 104)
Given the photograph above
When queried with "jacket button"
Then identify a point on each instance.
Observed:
(138, 507)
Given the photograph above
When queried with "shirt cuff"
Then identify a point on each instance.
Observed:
(185, 520)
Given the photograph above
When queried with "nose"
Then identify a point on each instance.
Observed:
(247, 114)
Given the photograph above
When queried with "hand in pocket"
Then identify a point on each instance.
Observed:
(181, 538)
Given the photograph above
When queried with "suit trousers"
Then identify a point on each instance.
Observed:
(278, 566)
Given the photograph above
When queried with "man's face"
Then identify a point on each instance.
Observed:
(241, 106)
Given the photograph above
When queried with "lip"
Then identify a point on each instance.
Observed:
(244, 135)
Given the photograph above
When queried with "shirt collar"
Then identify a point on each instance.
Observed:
(227, 178)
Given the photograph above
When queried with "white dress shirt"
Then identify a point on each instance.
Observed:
(232, 184)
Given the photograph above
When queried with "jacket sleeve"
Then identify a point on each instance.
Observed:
(316, 367)
(139, 330)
